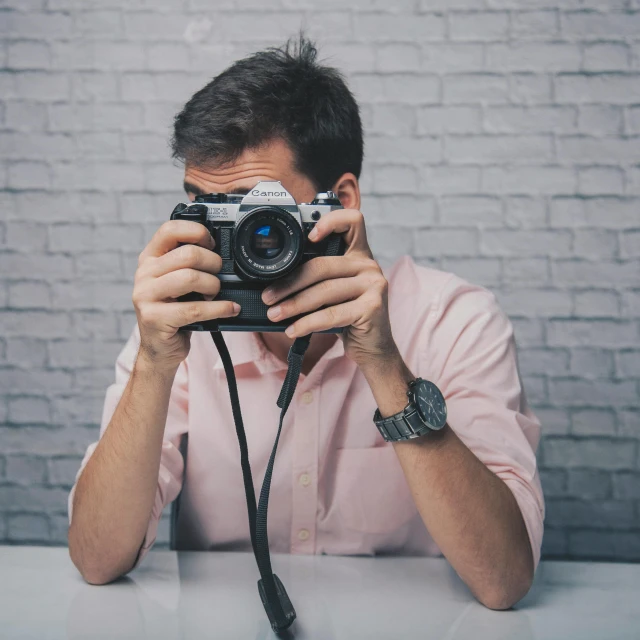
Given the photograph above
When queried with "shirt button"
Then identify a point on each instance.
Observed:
(303, 534)
(305, 479)
(307, 397)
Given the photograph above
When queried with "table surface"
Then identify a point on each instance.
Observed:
(188, 595)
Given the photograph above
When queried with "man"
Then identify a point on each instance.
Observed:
(470, 491)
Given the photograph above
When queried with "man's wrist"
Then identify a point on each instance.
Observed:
(148, 367)
(389, 380)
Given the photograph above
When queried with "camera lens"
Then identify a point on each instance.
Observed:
(267, 241)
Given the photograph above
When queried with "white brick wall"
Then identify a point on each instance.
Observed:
(504, 135)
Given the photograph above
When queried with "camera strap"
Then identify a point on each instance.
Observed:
(272, 592)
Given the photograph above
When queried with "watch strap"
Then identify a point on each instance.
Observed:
(405, 425)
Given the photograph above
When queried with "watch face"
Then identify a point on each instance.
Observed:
(430, 402)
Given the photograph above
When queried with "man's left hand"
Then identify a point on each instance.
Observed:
(347, 291)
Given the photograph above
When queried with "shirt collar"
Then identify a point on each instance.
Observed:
(247, 346)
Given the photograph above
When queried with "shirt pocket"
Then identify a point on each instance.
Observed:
(371, 491)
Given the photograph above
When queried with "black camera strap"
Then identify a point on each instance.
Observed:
(272, 592)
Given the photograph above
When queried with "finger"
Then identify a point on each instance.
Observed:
(327, 292)
(178, 283)
(315, 270)
(340, 315)
(178, 314)
(188, 256)
(172, 233)
(347, 221)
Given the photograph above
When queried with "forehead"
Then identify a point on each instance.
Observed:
(272, 161)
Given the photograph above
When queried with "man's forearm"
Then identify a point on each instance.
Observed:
(470, 513)
(116, 489)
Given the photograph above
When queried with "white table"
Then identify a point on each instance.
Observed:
(188, 595)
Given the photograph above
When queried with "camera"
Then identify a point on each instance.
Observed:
(261, 236)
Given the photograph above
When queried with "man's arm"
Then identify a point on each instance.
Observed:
(469, 511)
(115, 492)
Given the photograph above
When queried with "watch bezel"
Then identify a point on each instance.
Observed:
(414, 399)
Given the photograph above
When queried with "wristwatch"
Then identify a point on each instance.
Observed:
(425, 413)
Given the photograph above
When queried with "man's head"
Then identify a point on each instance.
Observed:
(276, 115)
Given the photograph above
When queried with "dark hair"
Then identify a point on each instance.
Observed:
(281, 92)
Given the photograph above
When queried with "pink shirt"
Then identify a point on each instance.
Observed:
(337, 487)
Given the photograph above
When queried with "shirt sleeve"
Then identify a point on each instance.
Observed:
(471, 343)
(171, 462)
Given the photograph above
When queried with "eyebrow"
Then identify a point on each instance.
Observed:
(197, 191)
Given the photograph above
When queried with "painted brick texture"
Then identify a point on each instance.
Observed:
(502, 143)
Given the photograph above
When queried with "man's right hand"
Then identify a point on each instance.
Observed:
(167, 271)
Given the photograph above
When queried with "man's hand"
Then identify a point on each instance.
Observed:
(167, 271)
(339, 291)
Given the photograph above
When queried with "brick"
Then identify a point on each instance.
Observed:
(73, 354)
(553, 421)
(536, 302)
(20, 381)
(403, 210)
(616, 514)
(46, 266)
(605, 545)
(467, 88)
(389, 241)
(42, 499)
(28, 55)
(600, 119)
(584, 273)
(522, 56)
(533, 271)
(554, 482)
(446, 179)
(392, 120)
(604, 333)
(593, 422)
(595, 243)
(29, 410)
(398, 28)
(106, 25)
(630, 244)
(586, 149)
(94, 85)
(28, 527)
(20, 235)
(521, 119)
(446, 242)
(595, 393)
(618, 89)
(555, 544)
(631, 303)
(29, 295)
(606, 56)
(530, 243)
(26, 353)
(536, 389)
(530, 24)
(470, 210)
(395, 179)
(597, 304)
(591, 24)
(78, 409)
(403, 149)
(59, 529)
(608, 213)
(398, 58)
(25, 470)
(626, 486)
(491, 149)
(588, 453)
(453, 58)
(22, 115)
(589, 484)
(540, 361)
(85, 296)
(34, 324)
(524, 212)
(96, 55)
(529, 88)
(42, 86)
(92, 117)
(450, 119)
(601, 181)
(62, 470)
(46, 26)
(628, 363)
(592, 363)
(351, 57)
(35, 440)
(629, 423)
(484, 26)
(29, 175)
(529, 180)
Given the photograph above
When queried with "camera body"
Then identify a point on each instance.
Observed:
(261, 237)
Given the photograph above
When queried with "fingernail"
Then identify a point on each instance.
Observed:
(268, 295)
(313, 234)
(290, 331)
(236, 307)
(274, 312)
